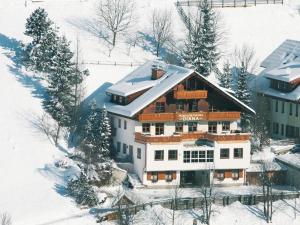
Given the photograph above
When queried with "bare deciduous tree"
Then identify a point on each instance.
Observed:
(267, 183)
(161, 28)
(115, 15)
(5, 219)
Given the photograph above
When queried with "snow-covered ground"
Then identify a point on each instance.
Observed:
(30, 188)
(235, 214)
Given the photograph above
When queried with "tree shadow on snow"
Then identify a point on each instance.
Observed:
(165, 53)
(256, 211)
(15, 54)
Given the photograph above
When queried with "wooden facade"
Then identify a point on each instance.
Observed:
(189, 116)
(139, 137)
(161, 175)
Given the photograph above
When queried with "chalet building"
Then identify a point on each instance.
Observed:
(176, 127)
(278, 88)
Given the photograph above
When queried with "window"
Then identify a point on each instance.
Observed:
(224, 153)
(220, 174)
(275, 128)
(192, 126)
(297, 132)
(125, 124)
(159, 155)
(282, 106)
(238, 153)
(212, 127)
(194, 156)
(291, 109)
(114, 98)
(179, 106)
(235, 174)
(297, 110)
(118, 146)
(119, 123)
(276, 106)
(172, 155)
(201, 156)
(159, 128)
(154, 176)
(120, 99)
(124, 148)
(179, 127)
(146, 127)
(225, 126)
(282, 129)
(139, 153)
(186, 156)
(168, 176)
(210, 156)
(290, 131)
(193, 106)
(159, 107)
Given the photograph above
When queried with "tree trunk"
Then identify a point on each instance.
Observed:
(157, 49)
(114, 38)
(57, 135)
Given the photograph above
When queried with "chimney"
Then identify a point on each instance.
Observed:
(157, 72)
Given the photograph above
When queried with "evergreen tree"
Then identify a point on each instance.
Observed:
(60, 91)
(225, 76)
(38, 25)
(82, 191)
(41, 57)
(243, 94)
(95, 146)
(201, 48)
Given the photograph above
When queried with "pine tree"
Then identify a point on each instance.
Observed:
(82, 191)
(38, 25)
(95, 146)
(243, 94)
(201, 48)
(225, 76)
(60, 91)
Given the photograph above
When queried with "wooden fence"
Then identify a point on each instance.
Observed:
(192, 203)
(111, 63)
(229, 3)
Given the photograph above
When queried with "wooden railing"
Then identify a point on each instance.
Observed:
(189, 116)
(198, 94)
(139, 137)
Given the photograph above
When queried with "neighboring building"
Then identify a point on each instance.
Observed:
(176, 127)
(278, 88)
(292, 162)
(276, 171)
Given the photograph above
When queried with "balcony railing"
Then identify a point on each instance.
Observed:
(197, 94)
(139, 137)
(189, 116)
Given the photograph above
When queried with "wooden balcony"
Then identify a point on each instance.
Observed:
(197, 94)
(189, 116)
(141, 138)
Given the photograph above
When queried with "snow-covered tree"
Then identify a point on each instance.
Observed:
(82, 191)
(94, 149)
(225, 76)
(40, 52)
(40, 57)
(38, 25)
(59, 102)
(243, 94)
(202, 45)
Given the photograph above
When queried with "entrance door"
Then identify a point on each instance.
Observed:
(187, 178)
(130, 153)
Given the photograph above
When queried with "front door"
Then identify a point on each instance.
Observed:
(187, 178)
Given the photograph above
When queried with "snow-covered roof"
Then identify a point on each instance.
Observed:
(285, 72)
(140, 79)
(174, 75)
(268, 165)
(288, 51)
(263, 86)
(291, 159)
